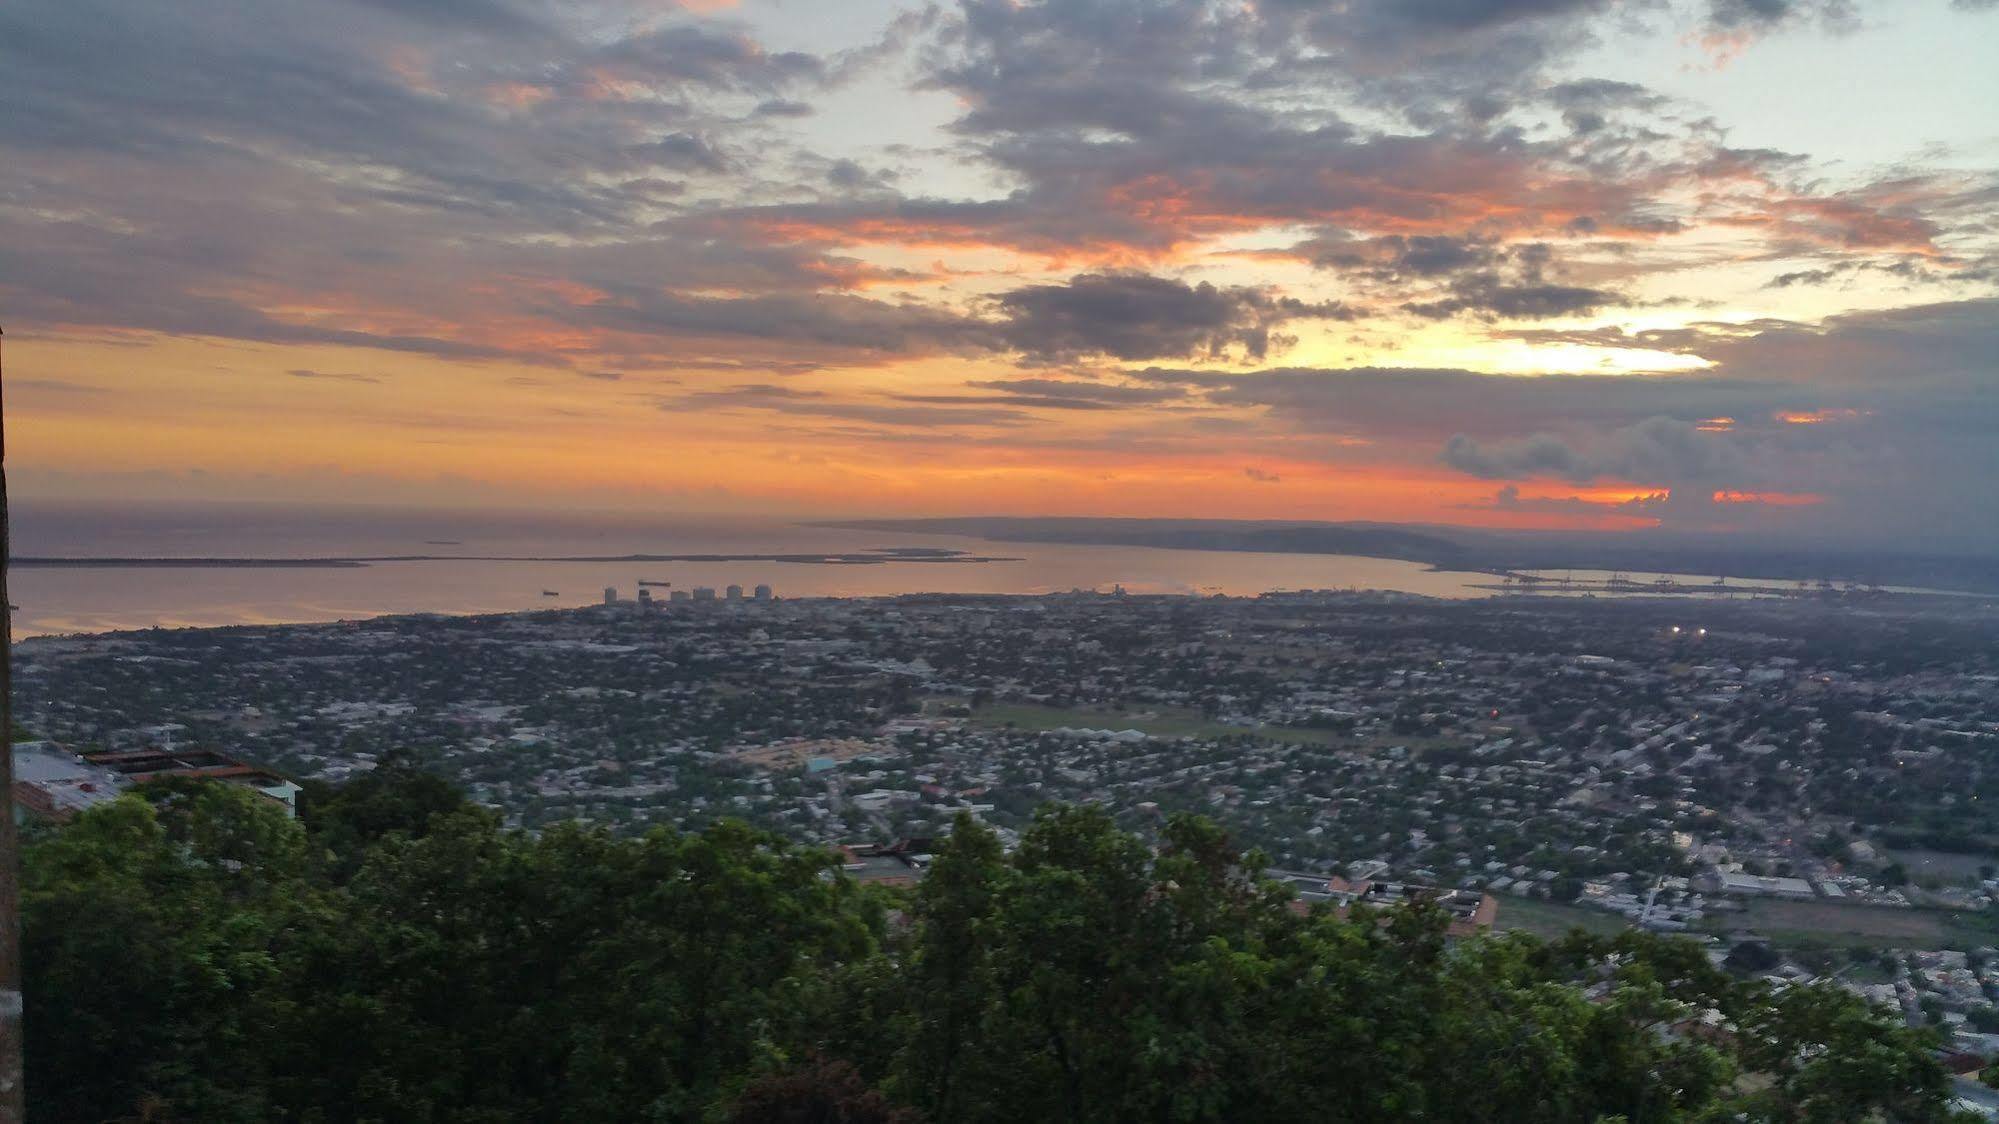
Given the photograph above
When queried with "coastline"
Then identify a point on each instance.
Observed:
(841, 558)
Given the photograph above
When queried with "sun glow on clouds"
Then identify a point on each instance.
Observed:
(1518, 357)
(1023, 257)
(1770, 499)
(1819, 417)
(1477, 347)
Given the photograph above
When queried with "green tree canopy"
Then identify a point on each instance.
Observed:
(194, 955)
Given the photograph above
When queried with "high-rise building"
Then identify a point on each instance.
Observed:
(733, 593)
(610, 595)
(679, 595)
(763, 593)
(704, 593)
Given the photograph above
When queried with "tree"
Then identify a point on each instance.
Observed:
(943, 961)
(147, 933)
(1829, 1056)
(196, 956)
(1752, 956)
(820, 1092)
(394, 797)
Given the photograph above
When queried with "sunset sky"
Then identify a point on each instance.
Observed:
(1719, 265)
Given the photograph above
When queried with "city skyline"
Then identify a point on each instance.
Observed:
(1718, 266)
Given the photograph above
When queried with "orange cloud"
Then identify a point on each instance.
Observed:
(603, 84)
(516, 96)
(1608, 496)
(1818, 417)
(1154, 216)
(1841, 222)
(411, 65)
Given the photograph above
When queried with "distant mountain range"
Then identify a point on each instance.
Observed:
(1462, 548)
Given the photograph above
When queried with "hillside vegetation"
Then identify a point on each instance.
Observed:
(192, 955)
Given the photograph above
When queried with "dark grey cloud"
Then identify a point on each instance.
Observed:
(1128, 136)
(1887, 415)
(750, 393)
(1403, 257)
(701, 55)
(783, 107)
(831, 320)
(1439, 276)
(1658, 450)
(617, 189)
(1191, 118)
(182, 271)
(333, 145)
(1809, 276)
(1490, 294)
(1138, 316)
(1119, 315)
(675, 152)
(1373, 20)
(1199, 119)
(54, 386)
(1024, 401)
(1424, 407)
(1409, 52)
(1924, 363)
(331, 376)
(1108, 394)
(1057, 394)
(850, 175)
(331, 148)
(1588, 105)
(1919, 349)
(811, 403)
(1912, 270)
(1512, 282)
(1693, 339)
(1759, 16)
(75, 272)
(354, 140)
(482, 15)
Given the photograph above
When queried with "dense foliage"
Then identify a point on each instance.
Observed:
(192, 955)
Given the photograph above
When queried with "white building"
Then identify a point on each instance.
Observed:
(1736, 882)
